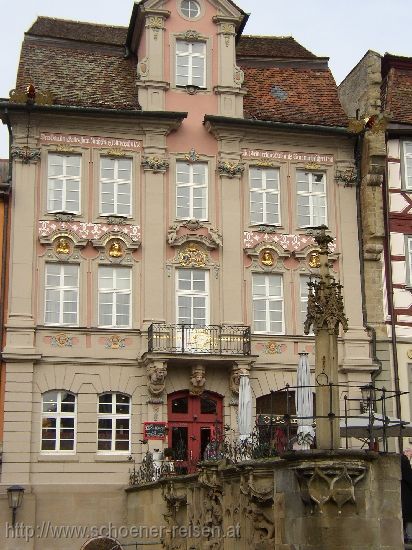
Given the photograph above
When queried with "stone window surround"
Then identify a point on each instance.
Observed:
(61, 289)
(278, 193)
(281, 299)
(58, 415)
(205, 294)
(64, 179)
(208, 65)
(115, 292)
(116, 187)
(288, 196)
(192, 186)
(211, 186)
(90, 173)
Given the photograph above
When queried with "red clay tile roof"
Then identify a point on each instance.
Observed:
(77, 73)
(397, 89)
(77, 30)
(297, 95)
(271, 46)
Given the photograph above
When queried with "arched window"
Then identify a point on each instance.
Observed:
(102, 543)
(113, 433)
(58, 431)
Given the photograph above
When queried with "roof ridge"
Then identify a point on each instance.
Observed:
(79, 22)
(267, 36)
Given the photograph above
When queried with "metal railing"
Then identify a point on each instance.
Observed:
(196, 339)
(277, 434)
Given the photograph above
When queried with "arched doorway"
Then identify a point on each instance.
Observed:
(193, 421)
(102, 543)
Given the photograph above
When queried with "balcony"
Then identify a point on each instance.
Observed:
(195, 339)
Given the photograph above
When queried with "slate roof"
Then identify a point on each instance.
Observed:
(272, 47)
(79, 64)
(397, 88)
(83, 64)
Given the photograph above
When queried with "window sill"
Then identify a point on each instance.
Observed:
(57, 458)
(111, 458)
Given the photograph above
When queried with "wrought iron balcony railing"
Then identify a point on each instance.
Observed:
(211, 339)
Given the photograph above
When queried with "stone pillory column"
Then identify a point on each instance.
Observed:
(325, 313)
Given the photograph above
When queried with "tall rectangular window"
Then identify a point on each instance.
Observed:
(264, 196)
(113, 423)
(115, 292)
(62, 294)
(192, 289)
(115, 186)
(311, 198)
(58, 430)
(63, 183)
(304, 292)
(408, 253)
(190, 63)
(191, 190)
(268, 303)
(407, 165)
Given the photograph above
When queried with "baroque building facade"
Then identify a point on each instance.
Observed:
(165, 180)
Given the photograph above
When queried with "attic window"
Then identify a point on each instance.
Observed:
(190, 9)
(278, 93)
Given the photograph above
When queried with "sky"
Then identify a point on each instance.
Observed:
(342, 30)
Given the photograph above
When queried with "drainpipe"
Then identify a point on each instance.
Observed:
(391, 306)
(370, 329)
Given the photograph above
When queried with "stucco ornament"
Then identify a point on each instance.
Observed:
(192, 156)
(192, 256)
(235, 376)
(198, 380)
(63, 246)
(26, 154)
(143, 68)
(115, 249)
(259, 491)
(230, 169)
(156, 23)
(314, 260)
(267, 258)
(155, 164)
(177, 234)
(238, 76)
(192, 36)
(157, 377)
(62, 340)
(347, 175)
(228, 30)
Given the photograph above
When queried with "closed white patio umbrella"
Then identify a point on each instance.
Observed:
(245, 408)
(304, 403)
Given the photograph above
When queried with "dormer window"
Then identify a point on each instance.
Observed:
(190, 63)
(190, 9)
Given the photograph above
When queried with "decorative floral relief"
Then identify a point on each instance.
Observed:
(61, 340)
(115, 342)
(143, 68)
(176, 235)
(191, 36)
(25, 154)
(273, 348)
(239, 76)
(230, 169)
(287, 242)
(192, 156)
(155, 23)
(88, 230)
(155, 163)
(192, 256)
(228, 30)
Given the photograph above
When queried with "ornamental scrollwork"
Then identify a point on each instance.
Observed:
(176, 235)
(192, 156)
(26, 154)
(230, 169)
(155, 164)
(192, 256)
(347, 176)
(192, 36)
(238, 76)
(155, 23)
(228, 30)
(156, 374)
(31, 95)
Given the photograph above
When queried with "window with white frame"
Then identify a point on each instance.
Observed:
(58, 431)
(115, 186)
(115, 293)
(192, 290)
(311, 198)
(113, 433)
(264, 195)
(63, 183)
(61, 295)
(268, 303)
(190, 63)
(191, 190)
(408, 252)
(407, 163)
(190, 9)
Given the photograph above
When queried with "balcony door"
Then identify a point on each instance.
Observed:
(193, 421)
(192, 310)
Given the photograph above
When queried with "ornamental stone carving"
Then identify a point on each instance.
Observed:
(346, 174)
(143, 68)
(194, 230)
(192, 36)
(259, 491)
(235, 376)
(157, 373)
(155, 164)
(230, 169)
(26, 154)
(333, 484)
(238, 76)
(157, 24)
(192, 256)
(198, 380)
(192, 156)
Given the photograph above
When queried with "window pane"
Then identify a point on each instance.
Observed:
(122, 404)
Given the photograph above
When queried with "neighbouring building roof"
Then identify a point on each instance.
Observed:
(271, 46)
(397, 87)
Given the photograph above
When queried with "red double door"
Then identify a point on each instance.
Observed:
(193, 420)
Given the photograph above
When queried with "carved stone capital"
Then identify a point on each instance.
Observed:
(26, 154)
(155, 164)
(231, 169)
